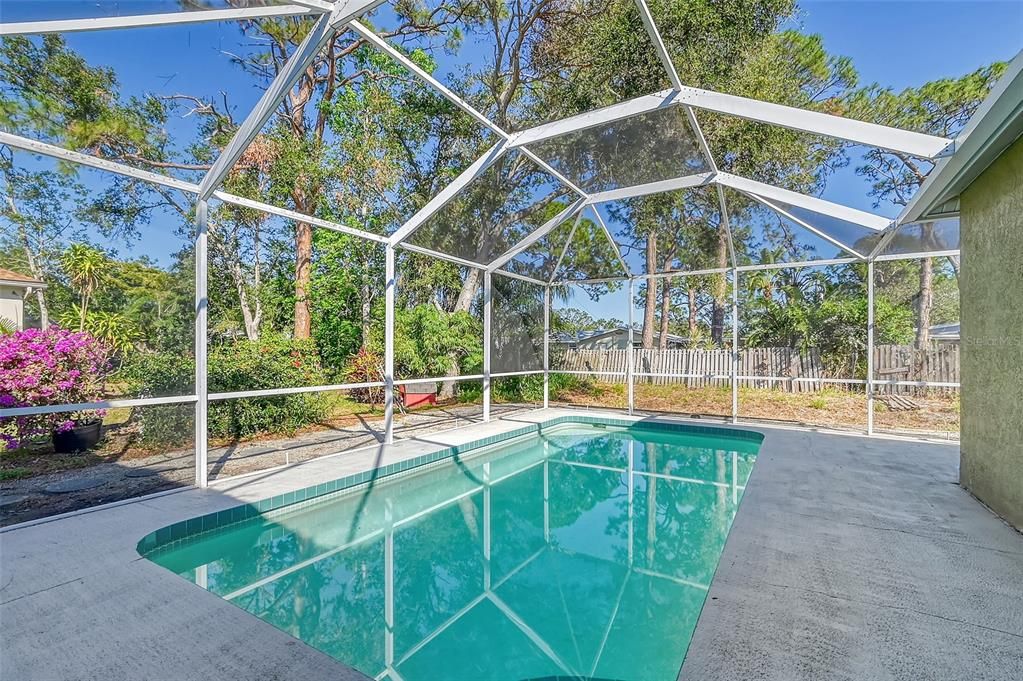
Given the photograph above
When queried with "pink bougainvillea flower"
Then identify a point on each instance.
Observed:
(49, 366)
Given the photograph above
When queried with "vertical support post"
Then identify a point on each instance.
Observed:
(488, 305)
(201, 332)
(735, 345)
(630, 367)
(870, 347)
(546, 346)
(389, 345)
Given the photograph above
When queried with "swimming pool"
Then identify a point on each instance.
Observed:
(582, 551)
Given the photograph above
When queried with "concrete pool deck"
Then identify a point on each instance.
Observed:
(850, 558)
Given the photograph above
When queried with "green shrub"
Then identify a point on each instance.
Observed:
(524, 388)
(271, 362)
(160, 374)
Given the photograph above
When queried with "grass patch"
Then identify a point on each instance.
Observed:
(14, 473)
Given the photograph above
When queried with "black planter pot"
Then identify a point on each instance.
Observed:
(78, 439)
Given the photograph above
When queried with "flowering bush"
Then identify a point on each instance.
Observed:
(49, 366)
(365, 367)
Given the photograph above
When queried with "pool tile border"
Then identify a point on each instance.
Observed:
(212, 522)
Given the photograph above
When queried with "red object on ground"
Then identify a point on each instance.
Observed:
(412, 398)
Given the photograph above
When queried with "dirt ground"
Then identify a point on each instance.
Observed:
(118, 469)
(936, 414)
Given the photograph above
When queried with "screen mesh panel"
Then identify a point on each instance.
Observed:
(919, 237)
(687, 222)
(857, 237)
(538, 260)
(652, 146)
(517, 321)
(495, 211)
(590, 253)
(764, 236)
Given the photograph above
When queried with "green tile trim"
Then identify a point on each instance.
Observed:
(213, 522)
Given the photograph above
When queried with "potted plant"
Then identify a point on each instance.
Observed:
(53, 366)
(78, 433)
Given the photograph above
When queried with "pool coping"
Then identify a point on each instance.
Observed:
(190, 528)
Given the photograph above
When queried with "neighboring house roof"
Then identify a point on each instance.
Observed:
(11, 278)
(582, 336)
(946, 332)
(997, 123)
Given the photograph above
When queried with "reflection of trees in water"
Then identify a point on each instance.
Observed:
(686, 523)
(335, 604)
(576, 491)
(516, 521)
(438, 569)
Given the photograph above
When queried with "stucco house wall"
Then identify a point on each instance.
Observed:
(991, 295)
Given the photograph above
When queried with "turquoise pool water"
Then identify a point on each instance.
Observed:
(584, 553)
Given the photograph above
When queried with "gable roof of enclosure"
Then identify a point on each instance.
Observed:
(659, 146)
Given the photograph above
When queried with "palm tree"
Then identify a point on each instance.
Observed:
(87, 268)
(763, 282)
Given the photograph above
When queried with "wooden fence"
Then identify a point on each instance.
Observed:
(699, 368)
(938, 363)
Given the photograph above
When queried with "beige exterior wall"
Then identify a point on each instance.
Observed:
(991, 294)
(617, 341)
(12, 305)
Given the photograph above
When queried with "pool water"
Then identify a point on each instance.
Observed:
(585, 552)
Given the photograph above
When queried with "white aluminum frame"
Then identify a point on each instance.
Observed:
(341, 15)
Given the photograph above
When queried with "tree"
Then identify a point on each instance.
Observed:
(36, 223)
(87, 268)
(823, 310)
(573, 320)
(53, 94)
(784, 67)
(941, 107)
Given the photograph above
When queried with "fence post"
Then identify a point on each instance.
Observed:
(870, 347)
(201, 332)
(546, 346)
(630, 368)
(389, 285)
(735, 345)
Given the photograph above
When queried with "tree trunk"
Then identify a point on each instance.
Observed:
(365, 312)
(468, 292)
(251, 320)
(692, 315)
(925, 303)
(33, 267)
(651, 292)
(662, 341)
(717, 327)
(462, 304)
(303, 268)
(366, 300)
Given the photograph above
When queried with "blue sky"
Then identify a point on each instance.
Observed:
(903, 44)
(895, 43)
